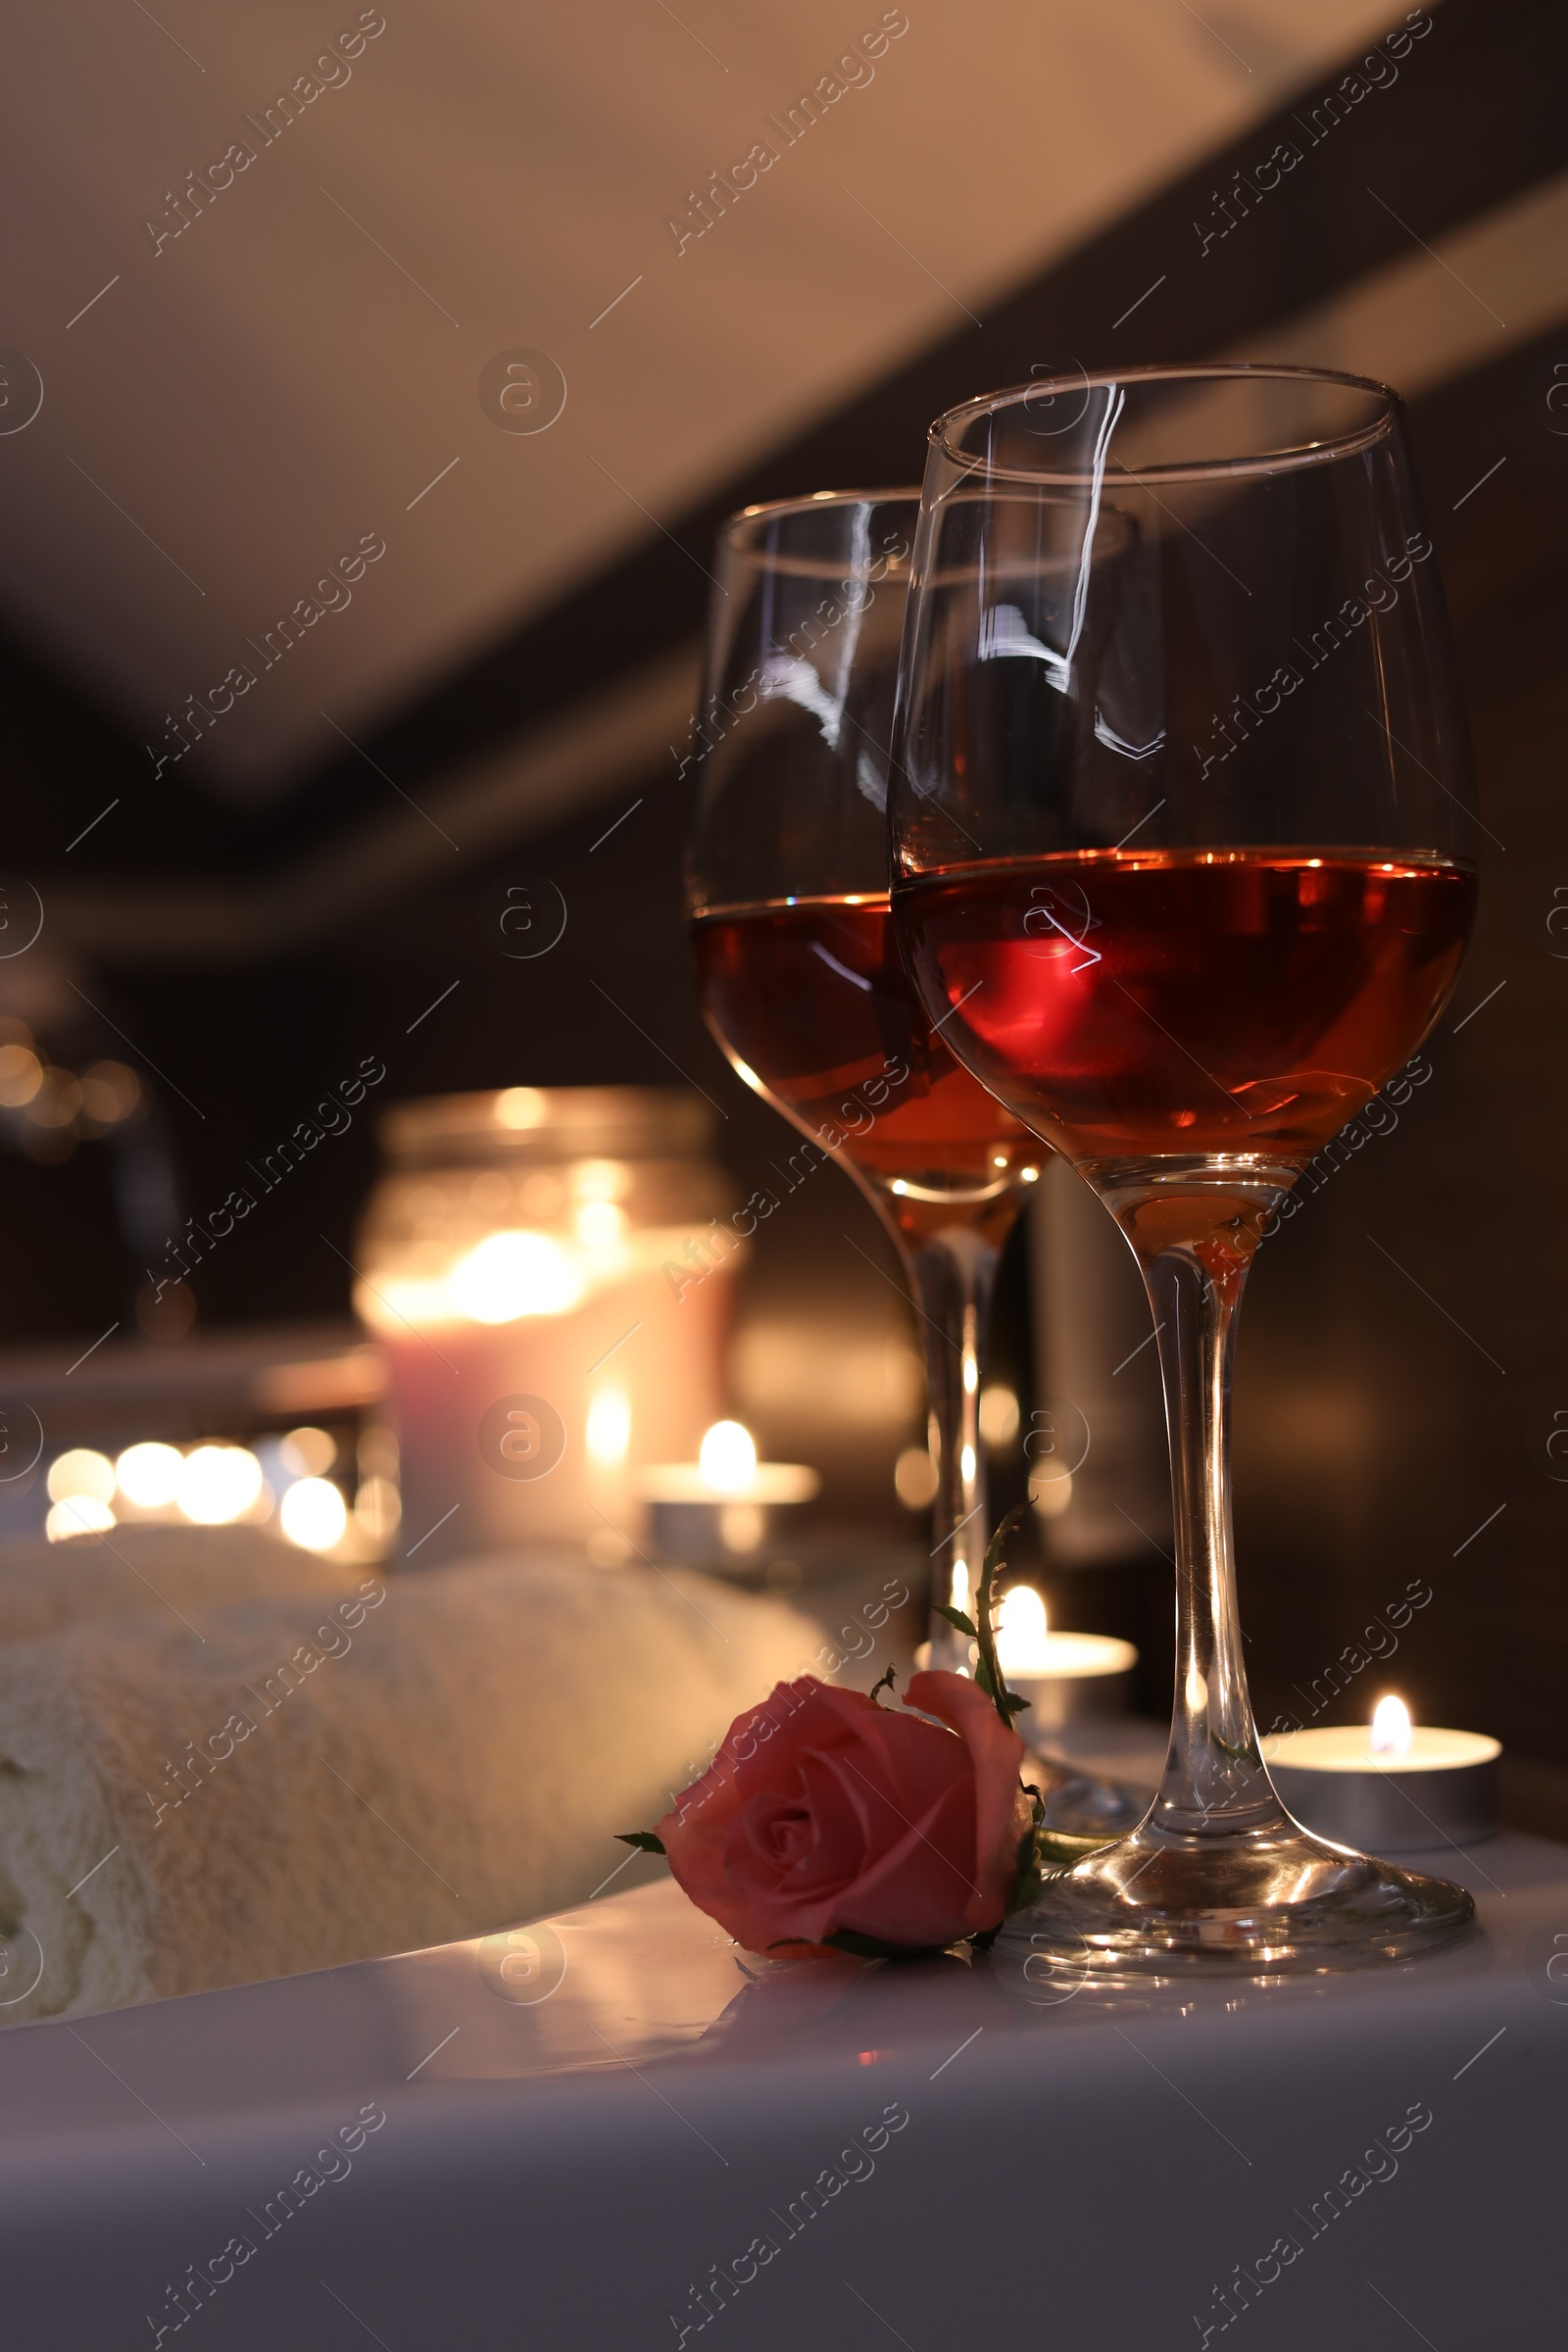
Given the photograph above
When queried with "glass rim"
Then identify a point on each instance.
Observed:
(818, 502)
(1195, 375)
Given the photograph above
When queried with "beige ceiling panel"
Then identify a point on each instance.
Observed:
(235, 415)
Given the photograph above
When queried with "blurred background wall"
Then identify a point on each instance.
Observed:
(221, 392)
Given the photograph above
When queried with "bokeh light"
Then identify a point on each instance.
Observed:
(20, 1075)
(81, 1470)
(78, 1516)
(915, 1478)
(308, 1452)
(219, 1484)
(148, 1474)
(313, 1514)
(998, 1417)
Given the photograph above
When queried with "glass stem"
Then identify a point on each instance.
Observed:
(1214, 1783)
(952, 1273)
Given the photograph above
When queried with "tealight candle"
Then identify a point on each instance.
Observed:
(719, 1508)
(1391, 1787)
(1064, 1677)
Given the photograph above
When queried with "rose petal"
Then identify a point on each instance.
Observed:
(997, 1753)
(924, 1892)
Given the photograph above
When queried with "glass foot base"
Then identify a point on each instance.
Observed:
(1271, 1901)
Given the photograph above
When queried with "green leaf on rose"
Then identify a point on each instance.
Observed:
(643, 1839)
(956, 1618)
(1008, 1703)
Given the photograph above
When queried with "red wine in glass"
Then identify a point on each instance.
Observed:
(810, 996)
(1128, 1002)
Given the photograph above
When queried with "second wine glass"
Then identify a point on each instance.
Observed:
(802, 980)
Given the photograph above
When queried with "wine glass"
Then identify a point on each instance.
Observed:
(1184, 833)
(802, 981)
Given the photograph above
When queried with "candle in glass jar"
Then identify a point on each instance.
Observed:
(549, 1319)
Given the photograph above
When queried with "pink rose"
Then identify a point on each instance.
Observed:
(825, 1812)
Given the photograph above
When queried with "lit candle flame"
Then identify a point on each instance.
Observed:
(609, 1429)
(727, 1457)
(512, 1274)
(1021, 1632)
(1391, 1727)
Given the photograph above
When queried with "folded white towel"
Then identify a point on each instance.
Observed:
(289, 1783)
(174, 1570)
